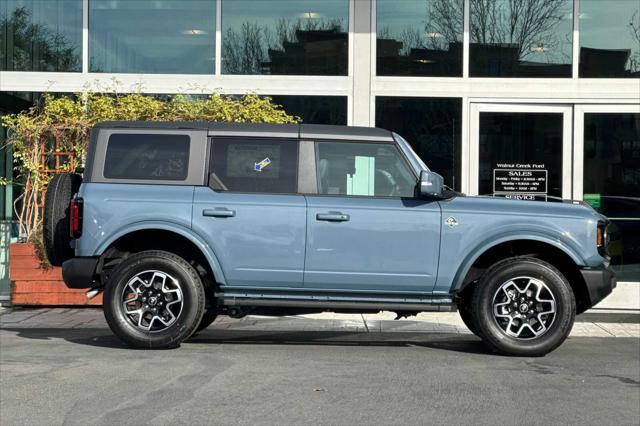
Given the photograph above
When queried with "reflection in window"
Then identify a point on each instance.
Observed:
(260, 165)
(418, 37)
(303, 37)
(315, 109)
(432, 126)
(529, 143)
(531, 38)
(147, 157)
(363, 169)
(610, 38)
(41, 35)
(612, 183)
(148, 36)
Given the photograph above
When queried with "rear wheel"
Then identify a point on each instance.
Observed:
(523, 306)
(55, 227)
(154, 299)
(208, 318)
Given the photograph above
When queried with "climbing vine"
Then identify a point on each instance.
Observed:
(52, 137)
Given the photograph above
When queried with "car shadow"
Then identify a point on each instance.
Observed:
(609, 317)
(102, 338)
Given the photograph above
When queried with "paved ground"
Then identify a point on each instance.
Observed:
(64, 366)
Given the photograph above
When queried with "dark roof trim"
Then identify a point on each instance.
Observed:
(322, 131)
(303, 131)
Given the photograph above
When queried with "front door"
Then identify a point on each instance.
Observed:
(250, 212)
(366, 230)
(521, 151)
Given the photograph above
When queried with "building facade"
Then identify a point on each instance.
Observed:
(486, 91)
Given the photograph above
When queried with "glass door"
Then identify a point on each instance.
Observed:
(607, 176)
(520, 151)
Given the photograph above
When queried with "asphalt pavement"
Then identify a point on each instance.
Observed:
(290, 371)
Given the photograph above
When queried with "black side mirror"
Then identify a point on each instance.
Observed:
(431, 184)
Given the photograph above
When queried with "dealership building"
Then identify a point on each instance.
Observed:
(483, 90)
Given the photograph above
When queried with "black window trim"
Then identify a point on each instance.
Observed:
(210, 159)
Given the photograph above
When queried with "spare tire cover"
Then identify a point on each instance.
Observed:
(55, 228)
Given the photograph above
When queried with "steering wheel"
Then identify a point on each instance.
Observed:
(389, 182)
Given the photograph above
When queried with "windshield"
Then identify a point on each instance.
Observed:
(417, 159)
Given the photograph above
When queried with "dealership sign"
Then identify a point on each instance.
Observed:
(520, 181)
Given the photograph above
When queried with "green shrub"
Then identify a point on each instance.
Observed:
(63, 124)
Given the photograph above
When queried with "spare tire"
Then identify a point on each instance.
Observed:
(55, 228)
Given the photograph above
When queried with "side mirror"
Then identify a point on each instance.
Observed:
(431, 184)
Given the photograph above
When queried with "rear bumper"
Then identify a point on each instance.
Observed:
(600, 283)
(79, 272)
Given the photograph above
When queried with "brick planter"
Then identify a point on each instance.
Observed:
(33, 286)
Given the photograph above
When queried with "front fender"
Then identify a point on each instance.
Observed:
(565, 245)
(171, 227)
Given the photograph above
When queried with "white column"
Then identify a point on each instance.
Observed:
(85, 36)
(218, 43)
(360, 112)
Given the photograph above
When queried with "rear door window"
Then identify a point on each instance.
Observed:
(138, 156)
(254, 165)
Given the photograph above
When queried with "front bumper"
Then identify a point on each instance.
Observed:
(79, 272)
(600, 283)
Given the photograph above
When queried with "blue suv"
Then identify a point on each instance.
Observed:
(181, 222)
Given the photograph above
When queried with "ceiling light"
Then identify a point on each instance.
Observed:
(539, 49)
(309, 15)
(194, 31)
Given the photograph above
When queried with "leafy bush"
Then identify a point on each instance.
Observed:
(52, 137)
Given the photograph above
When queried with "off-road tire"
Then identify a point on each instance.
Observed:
(208, 318)
(55, 227)
(508, 269)
(186, 322)
(464, 309)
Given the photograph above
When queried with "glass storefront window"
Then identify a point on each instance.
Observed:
(315, 109)
(419, 38)
(610, 38)
(432, 126)
(612, 183)
(302, 37)
(149, 36)
(530, 38)
(41, 35)
(519, 147)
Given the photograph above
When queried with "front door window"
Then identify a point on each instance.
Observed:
(363, 169)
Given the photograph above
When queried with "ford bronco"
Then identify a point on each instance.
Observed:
(178, 223)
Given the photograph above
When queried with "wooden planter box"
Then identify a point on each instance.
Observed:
(33, 286)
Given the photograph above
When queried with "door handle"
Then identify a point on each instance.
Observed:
(333, 217)
(219, 212)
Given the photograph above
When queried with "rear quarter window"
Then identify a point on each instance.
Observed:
(138, 156)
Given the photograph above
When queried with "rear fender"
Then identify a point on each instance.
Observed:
(171, 227)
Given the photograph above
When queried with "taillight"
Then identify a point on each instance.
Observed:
(75, 218)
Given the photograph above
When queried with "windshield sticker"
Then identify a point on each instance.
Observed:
(258, 167)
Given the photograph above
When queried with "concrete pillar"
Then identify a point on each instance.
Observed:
(360, 111)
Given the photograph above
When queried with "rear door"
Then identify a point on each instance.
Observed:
(251, 213)
(366, 229)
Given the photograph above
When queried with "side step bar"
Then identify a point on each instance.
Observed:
(332, 304)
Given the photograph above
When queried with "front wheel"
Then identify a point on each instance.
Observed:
(523, 306)
(154, 299)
